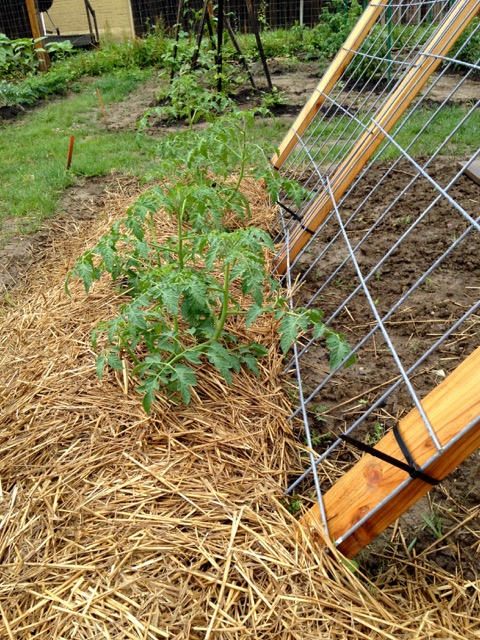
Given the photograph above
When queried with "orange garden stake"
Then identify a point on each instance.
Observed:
(102, 108)
(70, 152)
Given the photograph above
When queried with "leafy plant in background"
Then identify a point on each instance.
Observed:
(182, 291)
(59, 50)
(335, 24)
(187, 98)
(192, 79)
(18, 57)
(66, 69)
(373, 64)
(273, 98)
(467, 47)
(9, 94)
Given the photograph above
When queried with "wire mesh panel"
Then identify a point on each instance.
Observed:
(14, 21)
(271, 14)
(387, 239)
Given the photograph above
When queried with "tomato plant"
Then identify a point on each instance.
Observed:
(182, 290)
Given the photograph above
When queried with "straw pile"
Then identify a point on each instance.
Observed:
(117, 525)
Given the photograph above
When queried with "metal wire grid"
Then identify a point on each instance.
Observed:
(272, 14)
(14, 20)
(147, 13)
(337, 248)
(363, 89)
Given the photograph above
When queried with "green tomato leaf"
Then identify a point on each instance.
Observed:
(288, 332)
(114, 361)
(100, 366)
(182, 379)
(191, 355)
(85, 270)
(171, 296)
(250, 361)
(223, 360)
(253, 314)
(318, 330)
(148, 399)
(257, 349)
(339, 349)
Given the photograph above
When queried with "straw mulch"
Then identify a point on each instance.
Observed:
(118, 525)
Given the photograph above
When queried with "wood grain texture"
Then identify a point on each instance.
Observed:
(472, 171)
(328, 81)
(414, 80)
(450, 407)
(33, 17)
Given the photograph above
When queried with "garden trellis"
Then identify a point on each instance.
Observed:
(382, 213)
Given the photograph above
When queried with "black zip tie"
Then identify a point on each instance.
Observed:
(415, 470)
(296, 217)
(412, 469)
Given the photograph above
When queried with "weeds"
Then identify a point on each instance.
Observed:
(293, 504)
(432, 521)
(378, 433)
(321, 439)
(319, 410)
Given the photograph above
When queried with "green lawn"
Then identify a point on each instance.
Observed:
(33, 151)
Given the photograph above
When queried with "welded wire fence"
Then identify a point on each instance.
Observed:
(14, 20)
(271, 14)
(394, 263)
(52, 21)
(59, 18)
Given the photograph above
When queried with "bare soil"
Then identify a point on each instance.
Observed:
(450, 290)
(80, 202)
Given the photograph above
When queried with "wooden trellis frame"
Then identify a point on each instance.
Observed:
(444, 428)
(453, 409)
(33, 17)
(401, 98)
(326, 84)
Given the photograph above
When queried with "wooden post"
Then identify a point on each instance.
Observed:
(241, 57)
(326, 84)
(450, 407)
(177, 35)
(254, 22)
(219, 57)
(33, 16)
(70, 152)
(439, 44)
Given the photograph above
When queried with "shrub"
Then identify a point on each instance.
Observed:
(66, 68)
(334, 27)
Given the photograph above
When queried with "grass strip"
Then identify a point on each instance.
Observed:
(33, 151)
